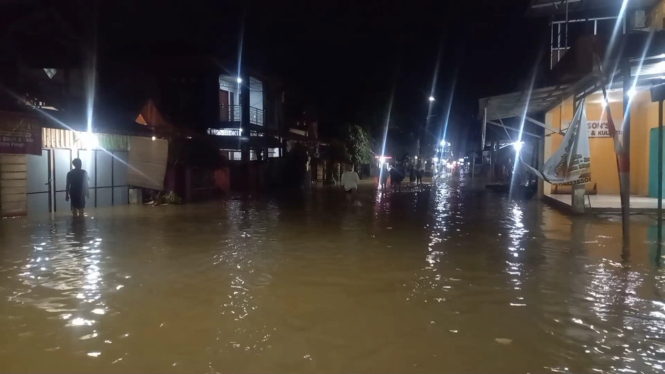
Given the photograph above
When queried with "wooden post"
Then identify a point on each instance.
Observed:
(577, 195)
(539, 165)
(624, 158)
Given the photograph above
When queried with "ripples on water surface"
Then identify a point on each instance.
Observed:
(450, 279)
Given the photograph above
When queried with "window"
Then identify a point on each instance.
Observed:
(232, 154)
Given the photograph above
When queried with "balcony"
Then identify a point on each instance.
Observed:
(233, 113)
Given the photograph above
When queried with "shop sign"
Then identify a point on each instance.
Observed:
(20, 134)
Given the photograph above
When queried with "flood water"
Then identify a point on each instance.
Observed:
(447, 279)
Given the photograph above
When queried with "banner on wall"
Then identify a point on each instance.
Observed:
(571, 163)
(597, 129)
(20, 134)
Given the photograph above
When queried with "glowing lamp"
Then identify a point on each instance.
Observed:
(632, 92)
(89, 140)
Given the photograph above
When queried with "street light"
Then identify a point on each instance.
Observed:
(431, 98)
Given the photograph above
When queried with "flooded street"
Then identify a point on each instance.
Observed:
(447, 279)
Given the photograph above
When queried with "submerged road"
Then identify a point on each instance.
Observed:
(443, 279)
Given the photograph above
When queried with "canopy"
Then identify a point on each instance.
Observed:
(514, 104)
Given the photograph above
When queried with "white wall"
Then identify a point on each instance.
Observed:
(255, 93)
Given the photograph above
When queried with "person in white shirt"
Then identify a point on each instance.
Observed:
(350, 182)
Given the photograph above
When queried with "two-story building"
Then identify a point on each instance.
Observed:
(198, 101)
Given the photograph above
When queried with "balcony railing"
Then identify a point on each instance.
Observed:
(233, 113)
(256, 116)
(230, 113)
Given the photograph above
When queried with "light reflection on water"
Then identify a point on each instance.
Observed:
(441, 279)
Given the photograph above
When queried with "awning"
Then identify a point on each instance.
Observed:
(515, 104)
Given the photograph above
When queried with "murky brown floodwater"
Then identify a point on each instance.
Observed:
(448, 280)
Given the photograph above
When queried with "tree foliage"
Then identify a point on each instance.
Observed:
(358, 145)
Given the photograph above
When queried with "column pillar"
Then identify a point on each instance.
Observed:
(244, 116)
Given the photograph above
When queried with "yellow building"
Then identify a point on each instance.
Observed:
(633, 59)
(604, 173)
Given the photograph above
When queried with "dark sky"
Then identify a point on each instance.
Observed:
(350, 54)
(344, 57)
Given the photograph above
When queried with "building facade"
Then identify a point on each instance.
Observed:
(627, 40)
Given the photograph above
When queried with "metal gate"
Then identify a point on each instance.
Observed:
(39, 182)
(62, 164)
(47, 178)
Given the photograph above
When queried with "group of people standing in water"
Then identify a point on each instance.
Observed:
(398, 173)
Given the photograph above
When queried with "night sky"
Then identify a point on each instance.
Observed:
(341, 59)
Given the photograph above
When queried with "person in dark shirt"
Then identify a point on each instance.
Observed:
(77, 188)
(396, 177)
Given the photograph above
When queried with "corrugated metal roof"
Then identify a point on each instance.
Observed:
(57, 138)
(514, 104)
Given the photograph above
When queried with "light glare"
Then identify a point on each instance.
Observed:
(89, 140)
(632, 92)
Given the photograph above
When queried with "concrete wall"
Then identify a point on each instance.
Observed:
(13, 185)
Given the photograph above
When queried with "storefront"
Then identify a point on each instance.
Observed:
(35, 159)
(642, 56)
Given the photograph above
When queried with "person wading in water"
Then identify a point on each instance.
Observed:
(77, 188)
(350, 182)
